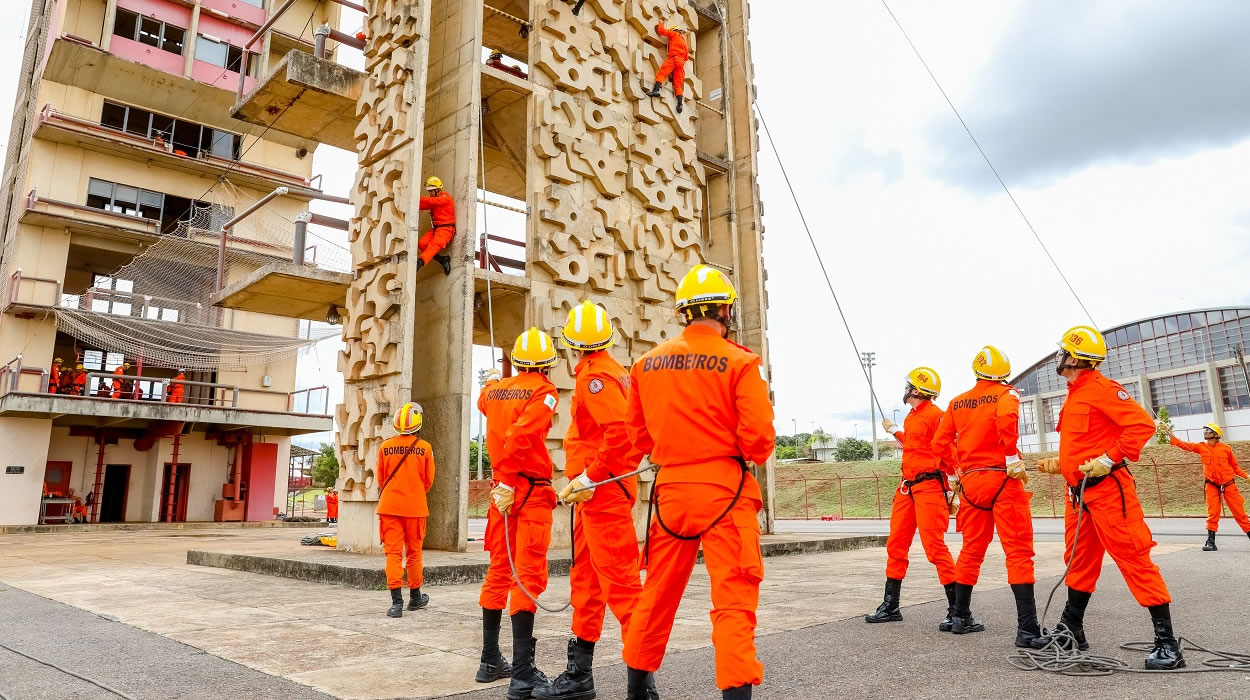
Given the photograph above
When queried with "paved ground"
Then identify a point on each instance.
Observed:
(1180, 530)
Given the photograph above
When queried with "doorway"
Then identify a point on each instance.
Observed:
(180, 482)
(113, 497)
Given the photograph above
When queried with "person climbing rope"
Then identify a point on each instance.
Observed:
(442, 225)
(978, 433)
(519, 412)
(1101, 428)
(405, 472)
(605, 547)
(921, 498)
(675, 64)
(1219, 470)
(699, 406)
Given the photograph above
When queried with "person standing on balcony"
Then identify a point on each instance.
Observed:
(675, 64)
(406, 473)
(178, 390)
(80, 380)
(54, 376)
(921, 499)
(1219, 469)
(118, 382)
(442, 225)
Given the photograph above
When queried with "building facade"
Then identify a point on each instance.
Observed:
(1187, 362)
(124, 171)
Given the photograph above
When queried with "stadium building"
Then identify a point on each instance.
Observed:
(1188, 362)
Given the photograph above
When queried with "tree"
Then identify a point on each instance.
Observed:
(818, 437)
(325, 469)
(798, 440)
(485, 474)
(787, 452)
(852, 450)
(1165, 425)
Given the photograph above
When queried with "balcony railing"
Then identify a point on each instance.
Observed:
(25, 290)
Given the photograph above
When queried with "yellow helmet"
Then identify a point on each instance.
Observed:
(533, 349)
(1084, 343)
(433, 183)
(57, 361)
(408, 419)
(925, 381)
(588, 328)
(704, 286)
(991, 364)
(1215, 429)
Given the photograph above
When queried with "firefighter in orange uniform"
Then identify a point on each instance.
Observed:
(1101, 428)
(1219, 467)
(405, 474)
(605, 546)
(80, 380)
(178, 391)
(921, 499)
(699, 406)
(442, 225)
(978, 433)
(519, 412)
(332, 505)
(54, 376)
(121, 370)
(675, 64)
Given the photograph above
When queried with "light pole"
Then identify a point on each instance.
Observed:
(896, 416)
(796, 427)
(481, 381)
(870, 359)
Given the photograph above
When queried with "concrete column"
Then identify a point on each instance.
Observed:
(1040, 418)
(110, 17)
(1146, 399)
(1217, 397)
(193, 33)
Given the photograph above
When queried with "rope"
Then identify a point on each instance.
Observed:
(66, 671)
(1062, 657)
(517, 579)
(507, 16)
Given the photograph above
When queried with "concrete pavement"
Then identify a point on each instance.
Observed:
(1172, 530)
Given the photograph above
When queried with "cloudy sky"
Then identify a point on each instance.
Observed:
(1122, 128)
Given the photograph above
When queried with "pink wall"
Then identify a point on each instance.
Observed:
(233, 33)
(163, 10)
(234, 8)
(220, 77)
(148, 55)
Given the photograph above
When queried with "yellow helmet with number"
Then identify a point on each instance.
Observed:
(433, 183)
(1085, 343)
(992, 364)
(408, 419)
(926, 381)
(588, 328)
(533, 349)
(702, 287)
(1219, 432)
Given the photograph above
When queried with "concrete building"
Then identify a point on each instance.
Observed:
(124, 171)
(1186, 361)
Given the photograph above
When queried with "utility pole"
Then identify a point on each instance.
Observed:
(481, 434)
(796, 427)
(870, 359)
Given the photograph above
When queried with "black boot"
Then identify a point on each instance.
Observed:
(445, 261)
(1027, 628)
(1072, 622)
(526, 678)
(679, 101)
(494, 666)
(742, 692)
(655, 91)
(962, 622)
(945, 625)
(577, 682)
(397, 603)
(1210, 545)
(640, 685)
(1167, 652)
(888, 610)
(417, 599)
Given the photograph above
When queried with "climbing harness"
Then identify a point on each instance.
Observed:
(654, 503)
(968, 499)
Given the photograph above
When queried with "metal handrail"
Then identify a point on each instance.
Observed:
(165, 383)
(15, 283)
(290, 399)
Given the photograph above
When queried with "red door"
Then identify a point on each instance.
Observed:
(175, 492)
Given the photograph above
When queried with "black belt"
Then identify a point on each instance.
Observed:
(935, 475)
(653, 502)
(1221, 487)
(533, 482)
(1091, 482)
(998, 493)
(434, 226)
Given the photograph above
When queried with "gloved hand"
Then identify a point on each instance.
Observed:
(953, 504)
(503, 497)
(1099, 466)
(567, 495)
(890, 426)
(1048, 465)
(493, 374)
(1015, 469)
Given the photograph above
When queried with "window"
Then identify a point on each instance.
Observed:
(220, 53)
(122, 199)
(1184, 395)
(1028, 420)
(256, 3)
(1050, 412)
(111, 295)
(1233, 388)
(147, 30)
(188, 138)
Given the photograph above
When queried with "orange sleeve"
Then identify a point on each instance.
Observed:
(944, 441)
(526, 436)
(1137, 425)
(635, 421)
(607, 408)
(663, 31)
(429, 467)
(428, 203)
(756, 435)
(1007, 420)
(1187, 446)
(481, 395)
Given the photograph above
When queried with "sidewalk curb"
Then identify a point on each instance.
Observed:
(135, 527)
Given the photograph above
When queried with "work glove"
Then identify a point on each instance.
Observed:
(493, 375)
(579, 482)
(1048, 465)
(1015, 469)
(953, 503)
(503, 497)
(1099, 466)
(890, 426)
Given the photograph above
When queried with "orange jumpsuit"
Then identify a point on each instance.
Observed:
(80, 382)
(177, 391)
(402, 508)
(519, 412)
(1219, 467)
(1099, 417)
(922, 504)
(117, 382)
(54, 378)
(442, 225)
(675, 64)
(978, 433)
(605, 546)
(699, 405)
(332, 506)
